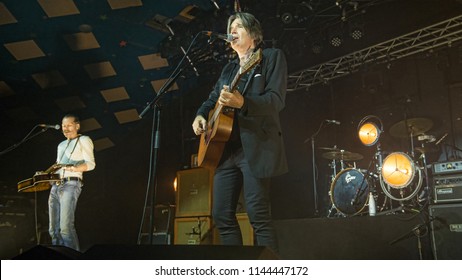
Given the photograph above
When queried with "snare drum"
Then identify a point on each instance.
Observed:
(349, 191)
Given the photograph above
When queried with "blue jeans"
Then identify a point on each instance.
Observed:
(231, 176)
(62, 203)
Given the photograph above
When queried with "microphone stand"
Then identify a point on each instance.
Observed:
(315, 190)
(156, 137)
(14, 146)
(25, 139)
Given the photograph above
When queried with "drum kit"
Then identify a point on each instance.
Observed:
(394, 182)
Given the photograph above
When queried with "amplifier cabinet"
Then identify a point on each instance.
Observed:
(447, 167)
(447, 188)
(194, 231)
(158, 238)
(201, 230)
(446, 226)
(193, 196)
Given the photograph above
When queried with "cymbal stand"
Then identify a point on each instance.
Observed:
(412, 145)
(333, 165)
(313, 158)
(362, 187)
(425, 195)
(379, 158)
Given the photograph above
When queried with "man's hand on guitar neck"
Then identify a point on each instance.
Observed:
(231, 99)
(199, 125)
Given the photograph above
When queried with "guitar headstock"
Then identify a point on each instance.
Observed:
(253, 60)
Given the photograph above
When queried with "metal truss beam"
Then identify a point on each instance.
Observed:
(441, 34)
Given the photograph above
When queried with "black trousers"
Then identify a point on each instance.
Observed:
(231, 176)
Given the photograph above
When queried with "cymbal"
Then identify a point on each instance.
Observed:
(329, 148)
(342, 155)
(411, 127)
(428, 149)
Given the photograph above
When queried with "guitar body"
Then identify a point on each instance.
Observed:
(220, 123)
(41, 181)
(212, 142)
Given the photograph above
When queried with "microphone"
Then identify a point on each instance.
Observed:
(333, 121)
(55, 126)
(227, 37)
(441, 139)
(216, 4)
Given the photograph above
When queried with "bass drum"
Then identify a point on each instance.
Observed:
(347, 184)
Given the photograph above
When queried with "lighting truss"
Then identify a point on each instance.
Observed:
(441, 34)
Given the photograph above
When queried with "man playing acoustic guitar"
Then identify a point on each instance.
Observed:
(254, 85)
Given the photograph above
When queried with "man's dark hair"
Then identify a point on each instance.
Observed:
(250, 23)
(75, 117)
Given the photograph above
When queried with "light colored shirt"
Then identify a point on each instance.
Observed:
(76, 152)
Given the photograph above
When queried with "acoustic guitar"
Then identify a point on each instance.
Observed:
(42, 180)
(220, 122)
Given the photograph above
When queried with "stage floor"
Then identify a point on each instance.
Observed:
(365, 238)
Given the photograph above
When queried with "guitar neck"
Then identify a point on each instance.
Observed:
(56, 166)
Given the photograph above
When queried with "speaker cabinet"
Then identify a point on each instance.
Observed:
(246, 228)
(193, 196)
(201, 230)
(446, 228)
(194, 231)
(158, 238)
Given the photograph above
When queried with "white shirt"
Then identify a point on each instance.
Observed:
(76, 151)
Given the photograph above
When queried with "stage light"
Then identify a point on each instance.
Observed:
(316, 47)
(287, 18)
(336, 40)
(369, 131)
(316, 42)
(335, 36)
(356, 30)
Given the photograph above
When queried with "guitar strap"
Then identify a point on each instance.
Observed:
(73, 149)
(246, 80)
(65, 149)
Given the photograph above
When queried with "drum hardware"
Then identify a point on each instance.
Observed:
(350, 190)
(312, 140)
(329, 149)
(425, 195)
(411, 128)
(342, 155)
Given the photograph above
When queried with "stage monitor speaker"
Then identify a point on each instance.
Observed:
(50, 252)
(193, 196)
(446, 228)
(178, 252)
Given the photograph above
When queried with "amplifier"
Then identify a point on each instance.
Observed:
(447, 188)
(447, 167)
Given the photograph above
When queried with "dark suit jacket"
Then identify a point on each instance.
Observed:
(258, 119)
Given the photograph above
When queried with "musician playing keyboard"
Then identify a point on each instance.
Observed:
(76, 155)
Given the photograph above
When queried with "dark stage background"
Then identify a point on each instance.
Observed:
(426, 85)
